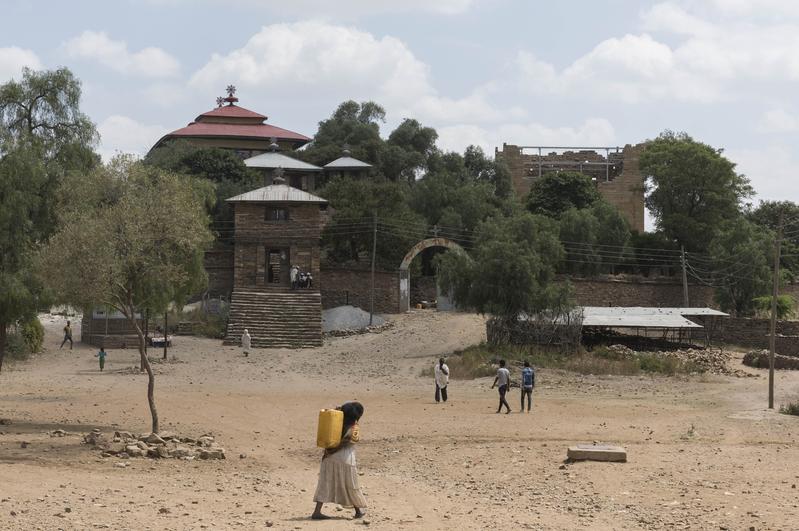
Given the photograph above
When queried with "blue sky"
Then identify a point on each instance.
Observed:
(479, 71)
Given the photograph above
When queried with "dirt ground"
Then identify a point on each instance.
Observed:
(703, 452)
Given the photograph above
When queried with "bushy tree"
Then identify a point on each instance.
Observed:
(43, 137)
(223, 169)
(511, 269)
(348, 237)
(740, 252)
(556, 192)
(135, 242)
(767, 215)
(579, 230)
(692, 189)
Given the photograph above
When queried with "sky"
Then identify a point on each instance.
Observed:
(482, 72)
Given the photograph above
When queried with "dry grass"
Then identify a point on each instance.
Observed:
(791, 408)
(481, 360)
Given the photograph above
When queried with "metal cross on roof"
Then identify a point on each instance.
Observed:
(231, 89)
(219, 101)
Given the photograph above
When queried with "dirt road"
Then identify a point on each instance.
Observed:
(704, 453)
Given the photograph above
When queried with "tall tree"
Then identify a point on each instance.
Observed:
(692, 188)
(739, 255)
(556, 192)
(511, 269)
(43, 136)
(135, 242)
(767, 215)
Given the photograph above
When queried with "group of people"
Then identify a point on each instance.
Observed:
(441, 376)
(300, 279)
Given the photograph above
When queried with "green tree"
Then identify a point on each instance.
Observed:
(407, 150)
(767, 215)
(556, 192)
(740, 271)
(223, 169)
(579, 230)
(348, 237)
(511, 269)
(137, 242)
(786, 306)
(652, 250)
(43, 137)
(692, 189)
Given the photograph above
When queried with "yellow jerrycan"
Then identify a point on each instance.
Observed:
(328, 433)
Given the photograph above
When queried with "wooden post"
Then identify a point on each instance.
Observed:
(773, 325)
(374, 252)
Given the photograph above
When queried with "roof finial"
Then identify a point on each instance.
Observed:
(231, 99)
(219, 101)
(346, 151)
(277, 176)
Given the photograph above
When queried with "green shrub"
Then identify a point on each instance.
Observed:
(33, 334)
(791, 408)
(16, 348)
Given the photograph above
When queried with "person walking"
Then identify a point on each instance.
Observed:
(528, 382)
(441, 374)
(246, 340)
(503, 379)
(101, 357)
(338, 473)
(293, 272)
(67, 336)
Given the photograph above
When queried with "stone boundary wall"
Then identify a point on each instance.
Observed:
(753, 333)
(638, 291)
(352, 286)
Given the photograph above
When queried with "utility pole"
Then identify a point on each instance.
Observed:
(684, 279)
(772, 342)
(166, 335)
(374, 252)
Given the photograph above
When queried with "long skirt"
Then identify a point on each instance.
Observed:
(338, 480)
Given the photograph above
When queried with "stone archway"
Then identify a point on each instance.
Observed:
(404, 275)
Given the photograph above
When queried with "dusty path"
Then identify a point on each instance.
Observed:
(704, 453)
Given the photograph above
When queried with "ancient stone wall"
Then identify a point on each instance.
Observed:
(218, 262)
(753, 333)
(617, 175)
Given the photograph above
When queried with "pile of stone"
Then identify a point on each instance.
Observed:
(125, 445)
(713, 361)
(376, 329)
(760, 359)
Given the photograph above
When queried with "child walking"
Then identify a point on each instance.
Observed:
(528, 382)
(101, 356)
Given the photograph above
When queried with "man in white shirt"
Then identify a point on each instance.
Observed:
(441, 373)
(503, 379)
(245, 342)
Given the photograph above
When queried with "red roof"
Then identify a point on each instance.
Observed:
(232, 111)
(265, 131)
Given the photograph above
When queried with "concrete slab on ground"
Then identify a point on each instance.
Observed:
(596, 452)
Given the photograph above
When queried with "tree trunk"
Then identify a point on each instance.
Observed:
(145, 362)
(2, 344)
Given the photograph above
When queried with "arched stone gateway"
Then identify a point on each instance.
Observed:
(404, 276)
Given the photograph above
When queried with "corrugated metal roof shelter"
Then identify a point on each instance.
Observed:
(274, 160)
(277, 193)
(645, 317)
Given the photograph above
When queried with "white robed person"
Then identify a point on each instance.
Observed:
(338, 473)
(441, 374)
(246, 341)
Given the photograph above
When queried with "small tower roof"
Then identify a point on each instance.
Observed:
(274, 160)
(277, 193)
(347, 163)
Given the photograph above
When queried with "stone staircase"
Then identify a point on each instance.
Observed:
(276, 318)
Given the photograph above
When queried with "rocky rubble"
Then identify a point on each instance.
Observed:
(760, 360)
(712, 360)
(376, 329)
(159, 446)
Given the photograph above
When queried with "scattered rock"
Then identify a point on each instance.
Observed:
(153, 438)
(212, 453)
(24, 444)
(5, 422)
(58, 433)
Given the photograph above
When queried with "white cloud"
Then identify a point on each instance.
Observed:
(98, 46)
(121, 134)
(778, 121)
(14, 59)
(592, 132)
(770, 169)
(306, 59)
(342, 8)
